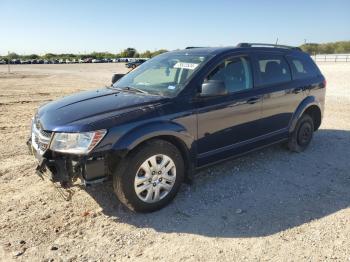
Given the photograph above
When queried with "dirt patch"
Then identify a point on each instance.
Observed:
(16, 75)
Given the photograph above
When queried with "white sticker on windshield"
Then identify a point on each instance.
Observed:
(190, 66)
(171, 87)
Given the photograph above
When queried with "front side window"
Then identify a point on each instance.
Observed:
(235, 73)
(273, 69)
(165, 74)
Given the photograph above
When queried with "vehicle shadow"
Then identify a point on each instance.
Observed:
(257, 195)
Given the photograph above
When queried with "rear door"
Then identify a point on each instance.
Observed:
(281, 95)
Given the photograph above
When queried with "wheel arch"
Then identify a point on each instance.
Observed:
(311, 106)
(315, 112)
(171, 132)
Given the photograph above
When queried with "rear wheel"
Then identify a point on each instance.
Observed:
(302, 135)
(149, 177)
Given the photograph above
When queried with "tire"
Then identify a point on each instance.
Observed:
(133, 66)
(302, 134)
(130, 172)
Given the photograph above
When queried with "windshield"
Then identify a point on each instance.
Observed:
(164, 74)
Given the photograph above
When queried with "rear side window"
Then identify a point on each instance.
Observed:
(235, 73)
(302, 67)
(273, 69)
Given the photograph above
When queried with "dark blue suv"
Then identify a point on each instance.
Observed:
(182, 110)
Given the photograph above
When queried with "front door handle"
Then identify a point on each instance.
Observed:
(253, 100)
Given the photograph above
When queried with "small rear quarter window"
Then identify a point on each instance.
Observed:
(302, 67)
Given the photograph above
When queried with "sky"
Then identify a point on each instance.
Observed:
(82, 26)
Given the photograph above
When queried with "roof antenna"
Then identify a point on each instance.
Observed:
(276, 41)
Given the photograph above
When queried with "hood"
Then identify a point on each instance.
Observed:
(79, 112)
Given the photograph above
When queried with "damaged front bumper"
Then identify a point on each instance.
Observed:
(67, 169)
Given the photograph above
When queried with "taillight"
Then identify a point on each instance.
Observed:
(324, 83)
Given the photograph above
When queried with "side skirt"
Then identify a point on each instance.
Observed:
(239, 149)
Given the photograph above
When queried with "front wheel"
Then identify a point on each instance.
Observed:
(149, 177)
(302, 135)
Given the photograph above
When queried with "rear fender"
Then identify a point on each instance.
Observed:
(305, 104)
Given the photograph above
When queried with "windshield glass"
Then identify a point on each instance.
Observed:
(164, 74)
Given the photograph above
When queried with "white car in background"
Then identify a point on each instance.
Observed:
(96, 61)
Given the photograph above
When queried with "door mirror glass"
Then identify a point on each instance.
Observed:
(213, 88)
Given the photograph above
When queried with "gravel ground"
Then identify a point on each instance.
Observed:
(269, 205)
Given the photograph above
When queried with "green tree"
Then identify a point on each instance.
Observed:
(129, 52)
(13, 56)
(327, 48)
(158, 52)
(49, 56)
(33, 56)
(146, 54)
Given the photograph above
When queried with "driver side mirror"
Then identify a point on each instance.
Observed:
(213, 88)
(116, 77)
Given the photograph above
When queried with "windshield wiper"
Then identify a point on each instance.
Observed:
(130, 88)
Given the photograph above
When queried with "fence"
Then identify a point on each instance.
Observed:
(331, 58)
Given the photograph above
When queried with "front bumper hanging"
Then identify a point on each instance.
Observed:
(67, 169)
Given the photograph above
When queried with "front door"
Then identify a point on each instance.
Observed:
(226, 123)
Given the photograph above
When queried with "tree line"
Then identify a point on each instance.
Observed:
(341, 47)
(126, 53)
(311, 48)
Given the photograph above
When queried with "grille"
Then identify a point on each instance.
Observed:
(45, 133)
(40, 138)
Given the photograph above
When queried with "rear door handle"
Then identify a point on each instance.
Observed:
(253, 100)
(297, 90)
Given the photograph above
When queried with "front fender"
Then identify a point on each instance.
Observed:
(305, 104)
(147, 131)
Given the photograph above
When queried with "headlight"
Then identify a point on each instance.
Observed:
(76, 143)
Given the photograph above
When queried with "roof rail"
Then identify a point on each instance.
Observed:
(191, 47)
(268, 45)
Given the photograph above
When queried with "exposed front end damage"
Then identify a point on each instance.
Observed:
(65, 169)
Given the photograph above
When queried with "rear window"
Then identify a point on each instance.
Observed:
(302, 67)
(273, 69)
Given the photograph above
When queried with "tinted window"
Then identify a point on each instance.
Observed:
(302, 67)
(236, 74)
(273, 69)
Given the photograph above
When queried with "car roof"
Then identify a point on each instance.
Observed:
(228, 49)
